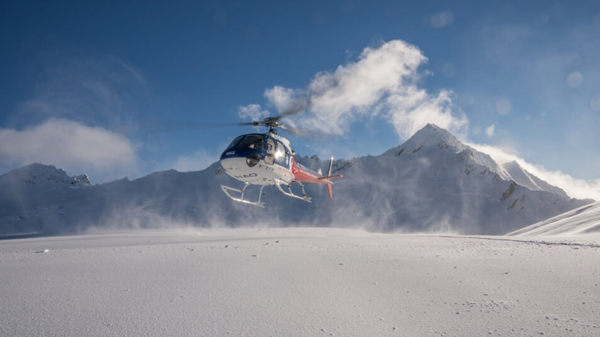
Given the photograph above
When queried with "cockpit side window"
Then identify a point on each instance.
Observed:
(235, 141)
(269, 158)
(256, 142)
(280, 153)
(270, 146)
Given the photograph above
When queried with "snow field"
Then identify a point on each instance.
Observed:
(297, 282)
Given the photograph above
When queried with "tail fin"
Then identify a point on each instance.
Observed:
(329, 175)
(330, 166)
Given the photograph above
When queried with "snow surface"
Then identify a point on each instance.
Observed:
(297, 282)
(583, 220)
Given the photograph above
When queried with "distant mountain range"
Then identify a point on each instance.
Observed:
(432, 182)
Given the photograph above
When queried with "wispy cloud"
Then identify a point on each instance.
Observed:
(90, 90)
(252, 112)
(575, 188)
(382, 83)
(75, 147)
(68, 118)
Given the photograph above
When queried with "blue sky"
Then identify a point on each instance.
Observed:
(78, 79)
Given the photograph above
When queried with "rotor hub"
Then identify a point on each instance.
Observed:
(272, 123)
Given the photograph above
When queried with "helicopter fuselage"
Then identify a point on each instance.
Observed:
(259, 159)
(267, 160)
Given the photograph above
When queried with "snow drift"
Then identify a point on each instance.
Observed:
(582, 220)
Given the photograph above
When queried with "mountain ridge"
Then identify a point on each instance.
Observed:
(431, 182)
(40, 173)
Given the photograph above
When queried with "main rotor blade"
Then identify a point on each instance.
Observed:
(294, 130)
(297, 107)
(170, 126)
(306, 133)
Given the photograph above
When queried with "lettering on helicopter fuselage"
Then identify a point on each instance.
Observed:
(267, 168)
(245, 176)
(229, 153)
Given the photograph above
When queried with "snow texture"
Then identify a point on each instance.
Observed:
(579, 221)
(297, 282)
(432, 182)
(526, 179)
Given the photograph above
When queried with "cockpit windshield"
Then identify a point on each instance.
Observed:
(235, 141)
(256, 142)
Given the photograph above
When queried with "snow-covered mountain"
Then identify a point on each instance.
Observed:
(583, 220)
(435, 182)
(526, 179)
(432, 182)
(42, 175)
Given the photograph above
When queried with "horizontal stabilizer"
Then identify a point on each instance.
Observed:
(331, 177)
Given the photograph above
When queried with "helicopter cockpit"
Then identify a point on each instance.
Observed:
(255, 142)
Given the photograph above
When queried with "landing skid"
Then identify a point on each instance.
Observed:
(291, 194)
(226, 189)
(258, 203)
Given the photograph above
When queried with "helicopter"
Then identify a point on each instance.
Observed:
(266, 159)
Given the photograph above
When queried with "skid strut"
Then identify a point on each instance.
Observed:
(289, 193)
(227, 189)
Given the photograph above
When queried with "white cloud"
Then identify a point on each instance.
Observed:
(282, 98)
(70, 145)
(410, 112)
(382, 83)
(491, 130)
(252, 112)
(575, 188)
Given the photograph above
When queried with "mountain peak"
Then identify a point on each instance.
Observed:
(430, 137)
(432, 134)
(37, 173)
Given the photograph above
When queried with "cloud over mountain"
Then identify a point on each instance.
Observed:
(68, 144)
(382, 83)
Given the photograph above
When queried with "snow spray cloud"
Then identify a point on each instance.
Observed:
(383, 83)
(575, 188)
(365, 201)
(171, 199)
